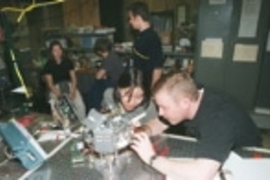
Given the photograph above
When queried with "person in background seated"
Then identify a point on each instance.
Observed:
(218, 123)
(60, 77)
(112, 65)
(108, 73)
(130, 97)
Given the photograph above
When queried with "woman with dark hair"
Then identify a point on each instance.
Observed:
(130, 96)
(60, 77)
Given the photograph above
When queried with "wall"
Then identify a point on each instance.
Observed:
(81, 13)
(41, 19)
(239, 79)
(263, 93)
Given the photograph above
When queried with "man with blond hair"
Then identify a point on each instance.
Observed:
(218, 123)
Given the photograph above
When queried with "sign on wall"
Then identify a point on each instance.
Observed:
(249, 18)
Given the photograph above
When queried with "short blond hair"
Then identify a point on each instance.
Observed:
(177, 84)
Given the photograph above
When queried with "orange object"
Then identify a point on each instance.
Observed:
(257, 155)
(26, 120)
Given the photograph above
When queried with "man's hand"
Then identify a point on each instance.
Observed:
(72, 95)
(142, 146)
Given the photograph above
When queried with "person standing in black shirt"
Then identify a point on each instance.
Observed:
(60, 77)
(147, 49)
(215, 119)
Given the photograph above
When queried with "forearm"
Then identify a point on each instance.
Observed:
(53, 89)
(73, 85)
(155, 127)
(156, 75)
(73, 81)
(50, 84)
(101, 74)
(189, 169)
(176, 170)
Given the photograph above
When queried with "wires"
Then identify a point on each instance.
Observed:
(32, 6)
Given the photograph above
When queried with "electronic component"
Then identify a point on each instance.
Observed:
(109, 132)
(22, 144)
(65, 112)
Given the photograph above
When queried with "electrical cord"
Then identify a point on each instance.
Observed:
(32, 6)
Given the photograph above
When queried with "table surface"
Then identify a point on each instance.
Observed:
(127, 166)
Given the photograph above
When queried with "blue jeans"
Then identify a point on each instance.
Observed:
(96, 93)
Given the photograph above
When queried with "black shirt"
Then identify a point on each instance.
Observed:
(147, 54)
(113, 66)
(59, 72)
(221, 125)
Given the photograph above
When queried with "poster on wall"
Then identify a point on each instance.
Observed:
(212, 48)
(181, 15)
(268, 42)
(215, 2)
(245, 53)
(249, 18)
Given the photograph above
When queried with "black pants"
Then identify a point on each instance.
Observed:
(96, 93)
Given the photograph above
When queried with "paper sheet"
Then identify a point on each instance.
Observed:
(249, 18)
(181, 15)
(212, 48)
(238, 168)
(245, 53)
(247, 168)
(268, 42)
(213, 2)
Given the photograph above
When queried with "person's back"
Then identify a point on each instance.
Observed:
(215, 120)
(108, 73)
(221, 125)
(114, 67)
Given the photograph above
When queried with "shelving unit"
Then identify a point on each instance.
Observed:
(81, 37)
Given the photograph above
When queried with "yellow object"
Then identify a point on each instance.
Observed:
(27, 94)
(32, 6)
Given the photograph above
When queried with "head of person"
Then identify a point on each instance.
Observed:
(175, 95)
(130, 92)
(138, 13)
(56, 50)
(102, 47)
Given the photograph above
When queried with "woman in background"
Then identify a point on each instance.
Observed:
(61, 79)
